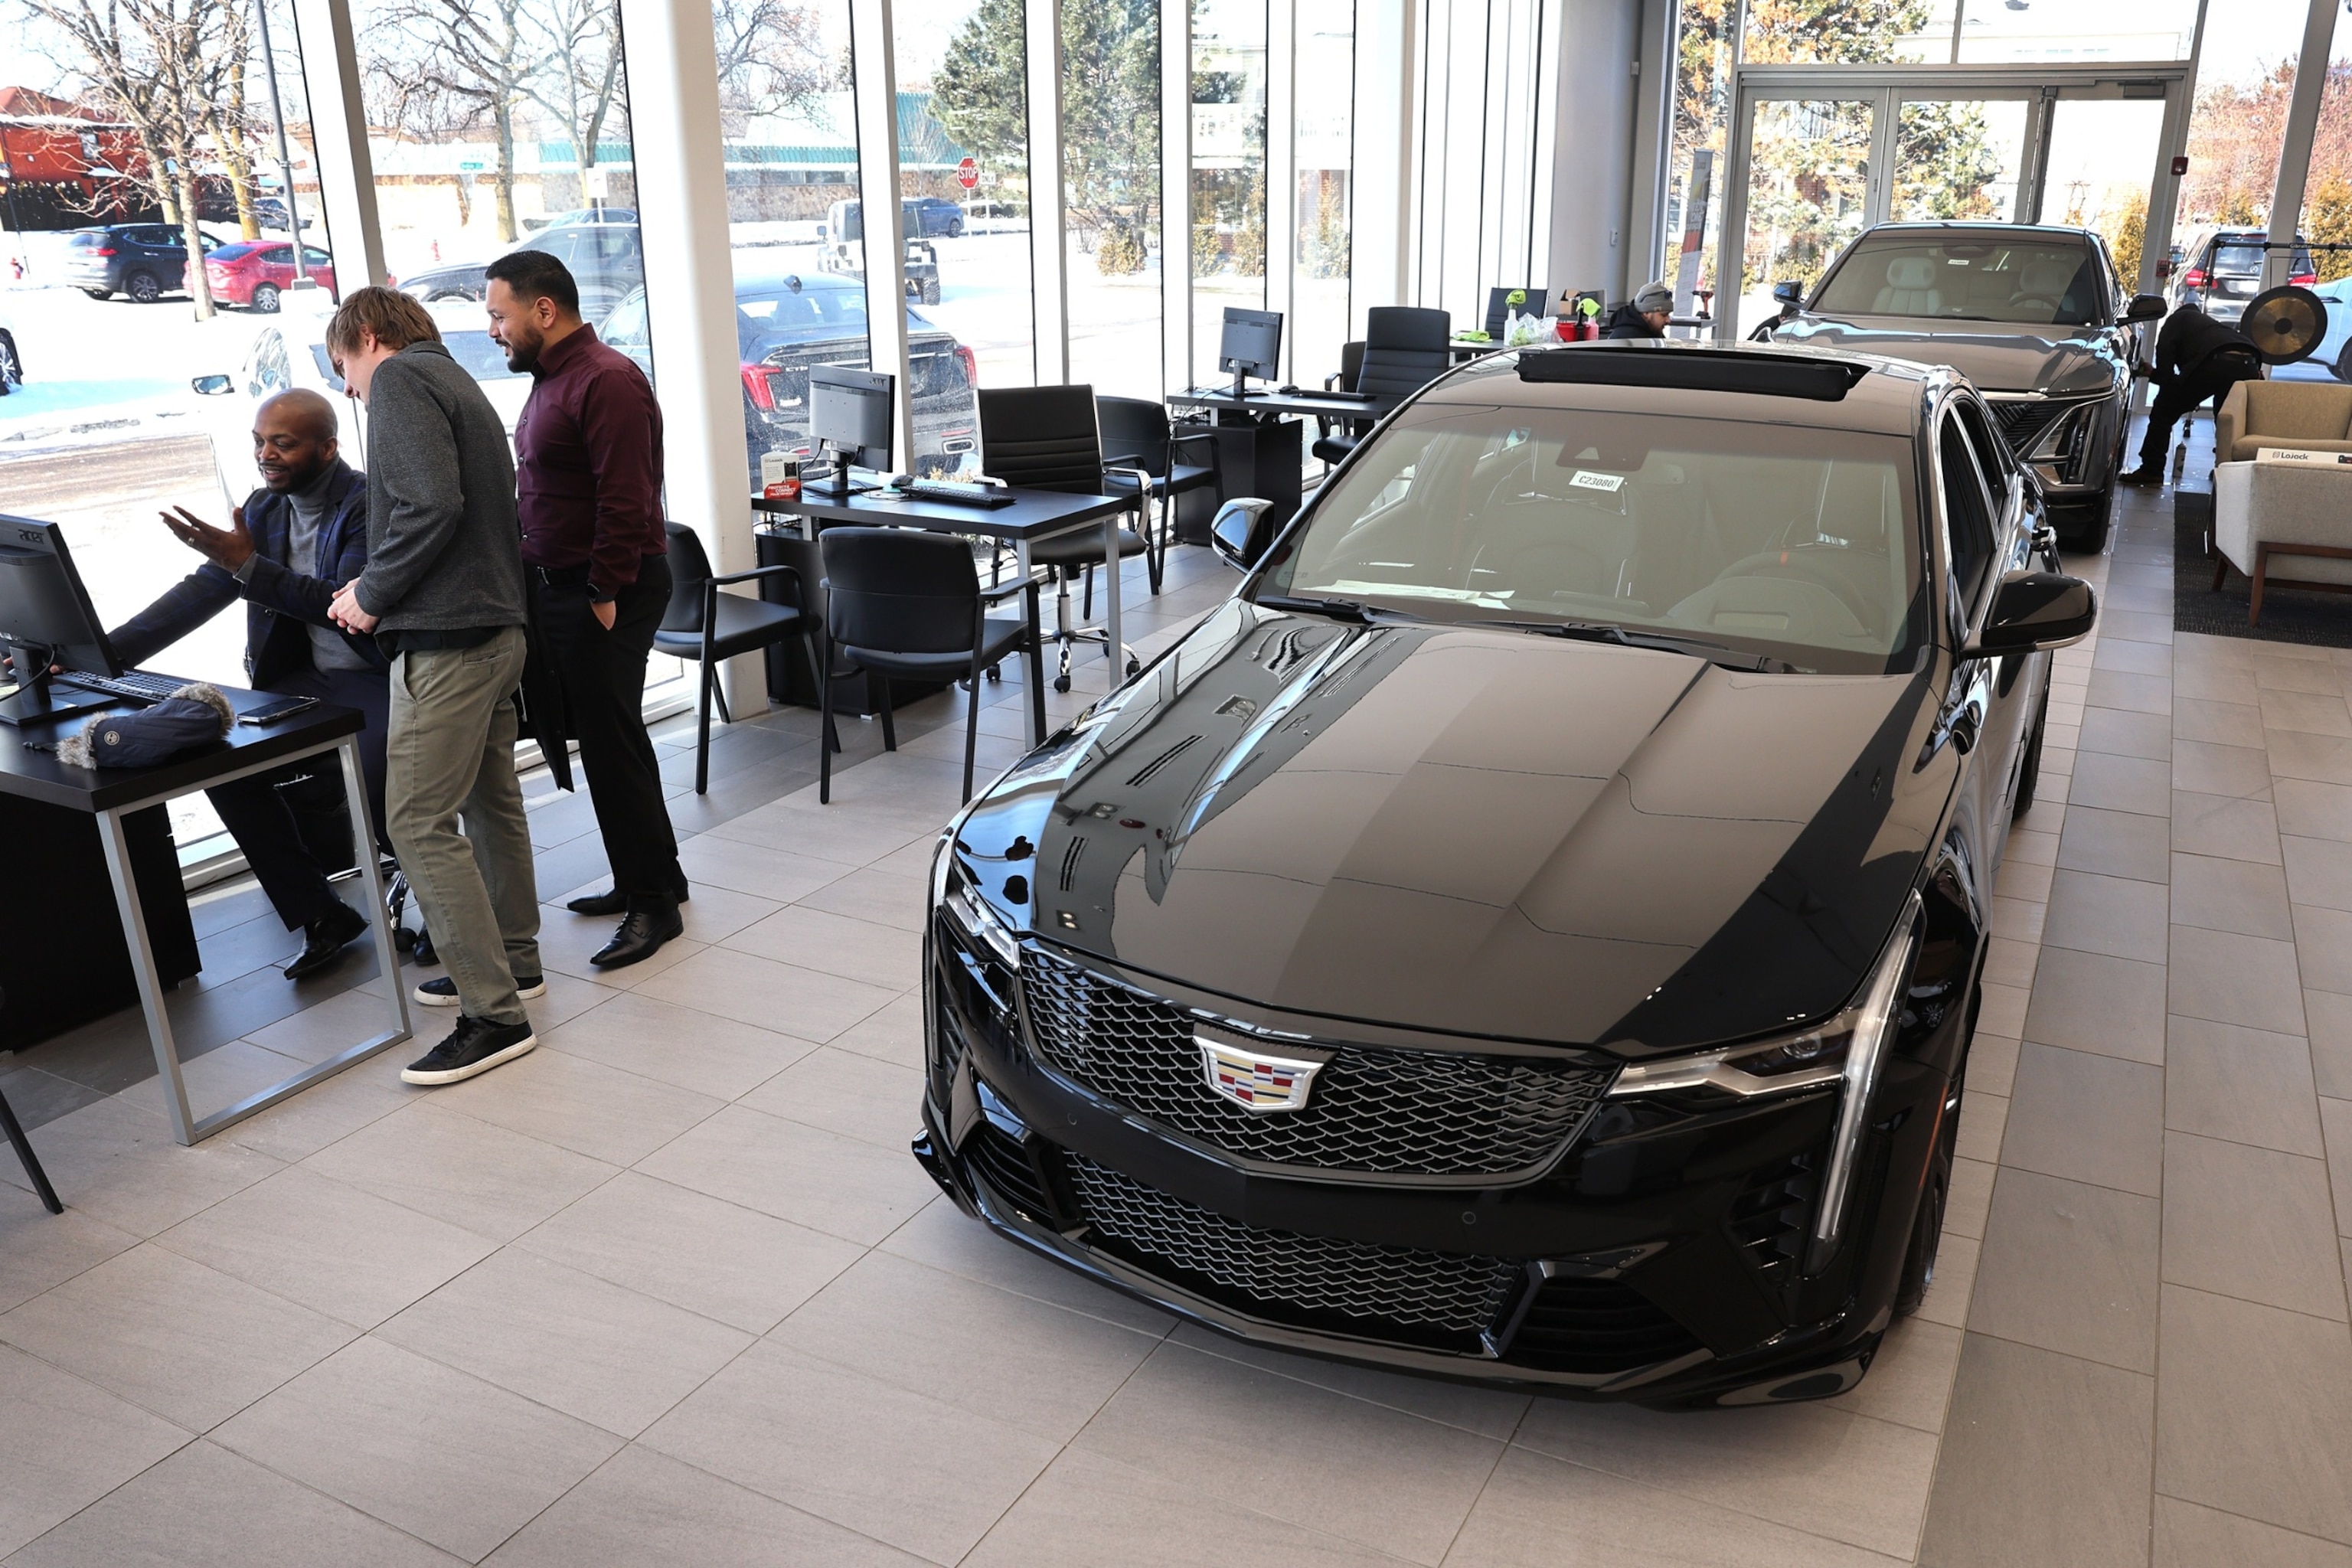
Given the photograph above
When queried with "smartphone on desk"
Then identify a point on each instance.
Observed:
(277, 712)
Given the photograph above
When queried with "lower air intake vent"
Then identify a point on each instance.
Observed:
(1387, 1293)
(1007, 1167)
(1595, 1327)
(1769, 1217)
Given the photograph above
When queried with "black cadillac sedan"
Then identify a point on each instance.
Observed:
(2035, 316)
(1531, 932)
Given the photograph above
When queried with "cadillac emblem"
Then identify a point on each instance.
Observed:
(1238, 1069)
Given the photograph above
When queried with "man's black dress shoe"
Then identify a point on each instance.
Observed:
(323, 941)
(647, 926)
(611, 901)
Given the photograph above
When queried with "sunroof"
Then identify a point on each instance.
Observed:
(1695, 370)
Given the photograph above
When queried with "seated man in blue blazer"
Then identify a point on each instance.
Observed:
(285, 551)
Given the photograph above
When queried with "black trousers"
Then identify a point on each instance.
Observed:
(2212, 379)
(604, 676)
(290, 821)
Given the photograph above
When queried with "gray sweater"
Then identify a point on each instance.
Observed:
(445, 551)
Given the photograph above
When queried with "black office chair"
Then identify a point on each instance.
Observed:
(708, 626)
(905, 603)
(1137, 434)
(1046, 439)
(1498, 306)
(1404, 350)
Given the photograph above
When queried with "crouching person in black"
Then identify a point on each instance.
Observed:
(285, 552)
(2197, 359)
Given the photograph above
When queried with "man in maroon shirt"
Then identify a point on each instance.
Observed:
(588, 476)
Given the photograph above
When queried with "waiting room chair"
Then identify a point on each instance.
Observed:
(905, 603)
(1404, 350)
(1499, 308)
(1046, 439)
(706, 625)
(1138, 435)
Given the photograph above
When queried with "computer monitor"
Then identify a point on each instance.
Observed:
(849, 410)
(46, 619)
(1251, 345)
(1498, 306)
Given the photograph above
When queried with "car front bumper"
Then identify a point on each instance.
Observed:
(1660, 1257)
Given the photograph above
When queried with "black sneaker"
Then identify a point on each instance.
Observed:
(443, 992)
(474, 1047)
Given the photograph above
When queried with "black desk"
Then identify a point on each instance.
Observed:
(1259, 444)
(1033, 515)
(113, 793)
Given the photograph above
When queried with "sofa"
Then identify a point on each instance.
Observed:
(2274, 516)
(2314, 416)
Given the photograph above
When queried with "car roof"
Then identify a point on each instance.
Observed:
(1882, 395)
(1976, 225)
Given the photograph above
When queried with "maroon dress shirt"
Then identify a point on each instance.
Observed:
(588, 464)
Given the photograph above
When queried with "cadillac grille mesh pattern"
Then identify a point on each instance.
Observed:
(1392, 1112)
(1400, 1285)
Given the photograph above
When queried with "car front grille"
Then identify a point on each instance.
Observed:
(1407, 1290)
(2025, 420)
(1379, 1112)
(1595, 1327)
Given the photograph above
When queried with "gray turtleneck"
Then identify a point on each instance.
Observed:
(312, 510)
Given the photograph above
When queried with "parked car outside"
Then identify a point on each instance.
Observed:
(139, 259)
(606, 260)
(623, 215)
(2220, 270)
(12, 359)
(843, 238)
(255, 273)
(1530, 933)
(269, 212)
(2035, 316)
(933, 218)
(789, 321)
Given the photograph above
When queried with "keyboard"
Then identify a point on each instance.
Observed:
(959, 492)
(1351, 396)
(137, 685)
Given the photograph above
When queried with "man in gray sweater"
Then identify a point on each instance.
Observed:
(443, 596)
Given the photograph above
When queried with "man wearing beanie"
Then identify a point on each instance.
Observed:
(1644, 316)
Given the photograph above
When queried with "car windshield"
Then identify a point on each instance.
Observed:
(1790, 545)
(2032, 281)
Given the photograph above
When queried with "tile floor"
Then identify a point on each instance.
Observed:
(671, 1291)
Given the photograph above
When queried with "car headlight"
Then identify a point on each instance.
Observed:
(953, 893)
(1846, 1051)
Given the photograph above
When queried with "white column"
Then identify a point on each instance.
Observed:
(1048, 244)
(1381, 201)
(673, 74)
(875, 73)
(2294, 151)
(330, 83)
(1176, 367)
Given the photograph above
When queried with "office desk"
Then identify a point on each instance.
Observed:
(1033, 515)
(111, 794)
(1258, 437)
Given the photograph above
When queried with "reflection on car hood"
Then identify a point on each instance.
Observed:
(2016, 360)
(1475, 830)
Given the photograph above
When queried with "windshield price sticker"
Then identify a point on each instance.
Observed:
(1586, 480)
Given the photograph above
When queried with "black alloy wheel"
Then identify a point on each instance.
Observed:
(142, 287)
(2342, 369)
(2029, 772)
(265, 299)
(11, 368)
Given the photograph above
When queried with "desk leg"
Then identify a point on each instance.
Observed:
(142, 967)
(387, 957)
(1033, 663)
(1111, 573)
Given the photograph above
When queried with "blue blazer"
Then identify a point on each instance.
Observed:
(283, 598)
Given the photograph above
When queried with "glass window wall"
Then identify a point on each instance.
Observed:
(1111, 189)
(1324, 130)
(1228, 182)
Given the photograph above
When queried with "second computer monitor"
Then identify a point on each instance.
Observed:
(849, 410)
(1251, 343)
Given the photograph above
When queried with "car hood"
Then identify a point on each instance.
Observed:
(2018, 360)
(1474, 831)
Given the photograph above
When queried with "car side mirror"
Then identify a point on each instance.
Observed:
(212, 385)
(1790, 291)
(1239, 533)
(2145, 308)
(2032, 611)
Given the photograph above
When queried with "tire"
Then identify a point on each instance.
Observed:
(1927, 1219)
(100, 293)
(2082, 528)
(930, 290)
(2342, 369)
(265, 299)
(142, 287)
(12, 367)
(2029, 775)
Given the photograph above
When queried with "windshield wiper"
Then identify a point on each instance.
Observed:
(1700, 648)
(1362, 615)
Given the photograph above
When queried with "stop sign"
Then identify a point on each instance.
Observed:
(968, 173)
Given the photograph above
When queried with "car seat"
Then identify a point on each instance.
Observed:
(2051, 282)
(1911, 288)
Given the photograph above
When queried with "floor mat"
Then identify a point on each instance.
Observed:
(2289, 614)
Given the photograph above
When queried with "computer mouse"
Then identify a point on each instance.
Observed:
(1287, 391)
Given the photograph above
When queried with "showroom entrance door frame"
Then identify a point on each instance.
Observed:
(2040, 87)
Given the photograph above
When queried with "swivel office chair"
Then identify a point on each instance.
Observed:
(1046, 439)
(1138, 434)
(1404, 350)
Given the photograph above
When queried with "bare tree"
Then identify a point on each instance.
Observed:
(148, 61)
(583, 41)
(772, 59)
(479, 55)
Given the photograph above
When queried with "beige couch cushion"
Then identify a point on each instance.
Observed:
(2284, 503)
(2315, 415)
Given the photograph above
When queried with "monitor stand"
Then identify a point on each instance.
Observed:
(1241, 382)
(37, 701)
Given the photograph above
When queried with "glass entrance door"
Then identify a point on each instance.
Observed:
(1808, 189)
(1957, 157)
(2095, 172)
